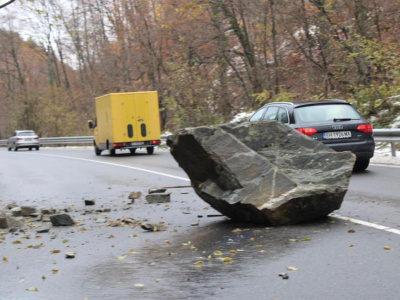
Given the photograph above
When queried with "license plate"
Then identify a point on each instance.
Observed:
(337, 135)
(28, 140)
(136, 143)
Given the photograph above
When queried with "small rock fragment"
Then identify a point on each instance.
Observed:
(16, 211)
(158, 198)
(153, 227)
(3, 221)
(284, 275)
(61, 220)
(27, 211)
(152, 191)
(43, 230)
(69, 254)
(48, 211)
(89, 202)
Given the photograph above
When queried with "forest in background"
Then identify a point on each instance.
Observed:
(208, 59)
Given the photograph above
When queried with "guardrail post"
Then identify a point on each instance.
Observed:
(393, 147)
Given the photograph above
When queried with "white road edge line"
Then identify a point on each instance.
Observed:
(385, 165)
(364, 223)
(117, 165)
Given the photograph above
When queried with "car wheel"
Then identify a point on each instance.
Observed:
(112, 152)
(15, 148)
(361, 164)
(30, 149)
(150, 150)
(9, 148)
(37, 148)
(132, 150)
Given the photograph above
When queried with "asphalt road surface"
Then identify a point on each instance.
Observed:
(353, 254)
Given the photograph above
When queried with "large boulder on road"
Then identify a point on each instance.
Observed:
(262, 172)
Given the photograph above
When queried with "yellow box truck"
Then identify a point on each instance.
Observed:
(126, 121)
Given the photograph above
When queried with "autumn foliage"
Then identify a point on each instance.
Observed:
(208, 59)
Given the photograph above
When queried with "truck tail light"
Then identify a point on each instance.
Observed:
(307, 131)
(116, 145)
(155, 142)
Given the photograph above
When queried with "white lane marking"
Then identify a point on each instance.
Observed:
(368, 224)
(385, 165)
(117, 165)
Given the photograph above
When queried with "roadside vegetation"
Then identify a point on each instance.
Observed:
(208, 59)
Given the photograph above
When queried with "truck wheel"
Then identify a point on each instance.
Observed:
(112, 152)
(150, 150)
(132, 150)
(97, 150)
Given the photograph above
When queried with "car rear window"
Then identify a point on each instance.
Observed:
(26, 133)
(326, 112)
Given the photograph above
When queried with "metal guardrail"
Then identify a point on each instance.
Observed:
(391, 136)
(66, 141)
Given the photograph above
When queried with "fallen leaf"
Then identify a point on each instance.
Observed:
(306, 239)
(237, 230)
(55, 251)
(16, 242)
(121, 257)
(217, 252)
(65, 241)
(5, 258)
(291, 268)
(54, 271)
(351, 245)
(43, 277)
(225, 259)
(387, 248)
(111, 236)
(82, 229)
(32, 289)
(198, 264)
(351, 231)
(132, 251)
(139, 285)
(232, 251)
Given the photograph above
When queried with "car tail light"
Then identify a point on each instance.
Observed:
(307, 131)
(19, 139)
(367, 128)
(155, 142)
(115, 145)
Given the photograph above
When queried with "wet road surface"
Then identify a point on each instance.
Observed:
(328, 259)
